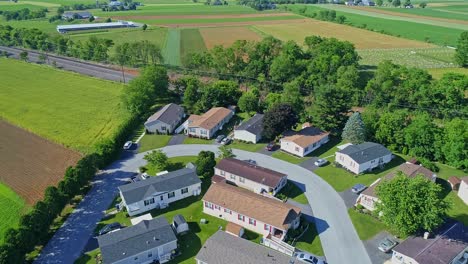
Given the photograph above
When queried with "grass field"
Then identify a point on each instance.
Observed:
(67, 108)
(149, 142)
(431, 12)
(11, 208)
(181, 22)
(226, 36)
(438, 73)
(366, 226)
(171, 50)
(14, 7)
(191, 42)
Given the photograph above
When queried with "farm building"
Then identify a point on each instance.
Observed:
(304, 141)
(165, 120)
(206, 125)
(251, 130)
(76, 15)
(363, 157)
(121, 24)
(179, 224)
(146, 242)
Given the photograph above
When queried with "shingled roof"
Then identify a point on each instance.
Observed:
(254, 125)
(251, 171)
(167, 114)
(306, 136)
(365, 152)
(250, 204)
(209, 119)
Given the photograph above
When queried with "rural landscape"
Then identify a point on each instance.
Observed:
(84, 83)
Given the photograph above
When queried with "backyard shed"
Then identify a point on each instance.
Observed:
(179, 224)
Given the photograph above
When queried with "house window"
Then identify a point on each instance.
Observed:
(240, 217)
(266, 227)
(149, 201)
(306, 149)
(252, 221)
(192, 130)
(171, 194)
(184, 190)
(222, 173)
(161, 197)
(163, 128)
(136, 258)
(150, 255)
(233, 177)
(227, 211)
(241, 179)
(217, 207)
(203, 132)
(297, 149)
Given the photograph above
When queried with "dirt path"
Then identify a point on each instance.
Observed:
(204, 16)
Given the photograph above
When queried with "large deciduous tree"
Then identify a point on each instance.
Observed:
(454, 143)
(420, 136)
(219, 93)
(409, 205)
(461, 55)
(158, 159)
(278, 119)
(205, 164)
(249, 101)
(354, 130)
(389, 130)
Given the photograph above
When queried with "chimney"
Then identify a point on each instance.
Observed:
(426, 235)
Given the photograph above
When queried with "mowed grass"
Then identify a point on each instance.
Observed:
(171, 50)
(11, 208)
(70, 109)
(191, 42)
(310, 241)
(429, 12)
(153, 141)
(366, 226)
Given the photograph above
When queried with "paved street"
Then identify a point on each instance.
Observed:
(340, 241)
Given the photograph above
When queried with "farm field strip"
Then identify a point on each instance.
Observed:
(171, 51)
(11, 208)
(191, 42)
(191, 21)
(207, 16)
(227, 36)
(179, 10)
(16, 7)
(435, 14)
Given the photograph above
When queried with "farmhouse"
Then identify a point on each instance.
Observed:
(159, 191)
(250, 176)
(222, 248)
(449, 245)
(206, 125)
(165, 120)
(363, 157)
(303, 142)
(251, 130)
(146, 242)
(76, 15)
(75, 27)
(369, 199)
(463, 189)
(252, 211)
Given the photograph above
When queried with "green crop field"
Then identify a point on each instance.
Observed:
(429, 12)
(171, 51)
(11, 208)
(191, 42)
(163, 21)
(14, 7)
(68, 108)
(160, 10)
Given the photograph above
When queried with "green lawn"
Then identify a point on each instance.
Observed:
(73, 110)
(288, 157)
(292, 191)
(171, 50)
(12, 206)
(175, 163)
(247, 146)
(153, 141)
(88, 257)
(310, 241)
(191, 42)
(366, 226)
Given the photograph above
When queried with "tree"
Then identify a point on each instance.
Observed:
(24, 55)
(461, 54)
(448, 95)
(454, 143)
(420, 136)
(396, 3)
(409, 205)
(122, 56)
(354, 130)
(144, 27)
(192, 93)
(158, 159)
(422, 5)
(219, 93)
(248, 102)
(91, 19)
(137, 97)
(271, 100)
(205, 164)
(292, 96)
(108, 20)
(379, 2)
(226, 152)
(278, 119)
(389, 131)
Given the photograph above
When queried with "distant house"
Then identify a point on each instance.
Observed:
(146, 242)
(179, 224)
(463, 189)
(222, 248)
(252, 211)
(251, 130)
(115, 3)
(448, 245)
(369, 199)
(303, 142)
(165, 120)
(250, 176)
(159, 191)
(76, 15)
(206, 125)
(363, 157)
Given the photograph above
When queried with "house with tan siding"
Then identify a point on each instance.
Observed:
(206, 125)
(363, 157)
(252, 211)
(304, 141)
(251, 176)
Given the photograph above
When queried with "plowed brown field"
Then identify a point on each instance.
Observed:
(29, 163)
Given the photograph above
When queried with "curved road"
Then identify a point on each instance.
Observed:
(339, 239)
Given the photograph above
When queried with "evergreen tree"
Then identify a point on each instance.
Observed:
(354, 130)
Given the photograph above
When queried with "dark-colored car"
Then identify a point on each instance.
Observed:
(358, 188)
(251, 161)
(270, 146)
(219, 138)
(108, 228)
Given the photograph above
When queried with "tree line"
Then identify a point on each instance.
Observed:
(24, 14)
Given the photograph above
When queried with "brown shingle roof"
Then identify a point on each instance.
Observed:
(306, 136)
(233, 228)
(250, 204)
(465, 179)
(454, 181)
(209, 119)
(251, 171)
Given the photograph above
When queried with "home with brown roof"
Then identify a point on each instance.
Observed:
(449, 245)
(252, 211)
(304, 141)
(165, 120)
(369, 199)
(206, 125)
(251, 176)
(463, 190)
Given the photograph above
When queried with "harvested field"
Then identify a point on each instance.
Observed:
(203, 16)
(235, 23)
(362, 39)
(390, 11)
(227, 35)
(29, 163)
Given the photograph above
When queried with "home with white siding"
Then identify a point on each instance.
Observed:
(206, 125)
(250, 130)
(165, 120)
(300, 143)
(363, 157)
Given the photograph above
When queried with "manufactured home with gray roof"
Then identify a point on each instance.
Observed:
(363, 157)
(250, 130)
(165, 120)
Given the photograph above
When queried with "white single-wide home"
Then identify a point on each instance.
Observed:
(159, 191)
(148, 241)
(363, 157)
(463, 189)
(250, 130)
(368, 197)
(206, 125)
(252, 211)
(251, 176)
(165, 120)
(304, 141)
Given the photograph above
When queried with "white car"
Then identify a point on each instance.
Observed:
(128, 145)
(225, 141)
(310, 258)
(320, 162)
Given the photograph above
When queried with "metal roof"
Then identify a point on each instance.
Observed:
(95, 25)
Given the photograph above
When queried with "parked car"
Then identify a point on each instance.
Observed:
(358, 188)
(310, 258)
(251, 161)
(320, 162)
(109, 228)
(128, 145)
(219, 138)
(226, 141)
(270, 146)
(144, 176)
(387, 245)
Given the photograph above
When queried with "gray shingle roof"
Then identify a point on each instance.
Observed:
(135, 239)
(179, 219)
(254, 125)
(171, 181)
(365, 152)
(167, 114)
(223, 248)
